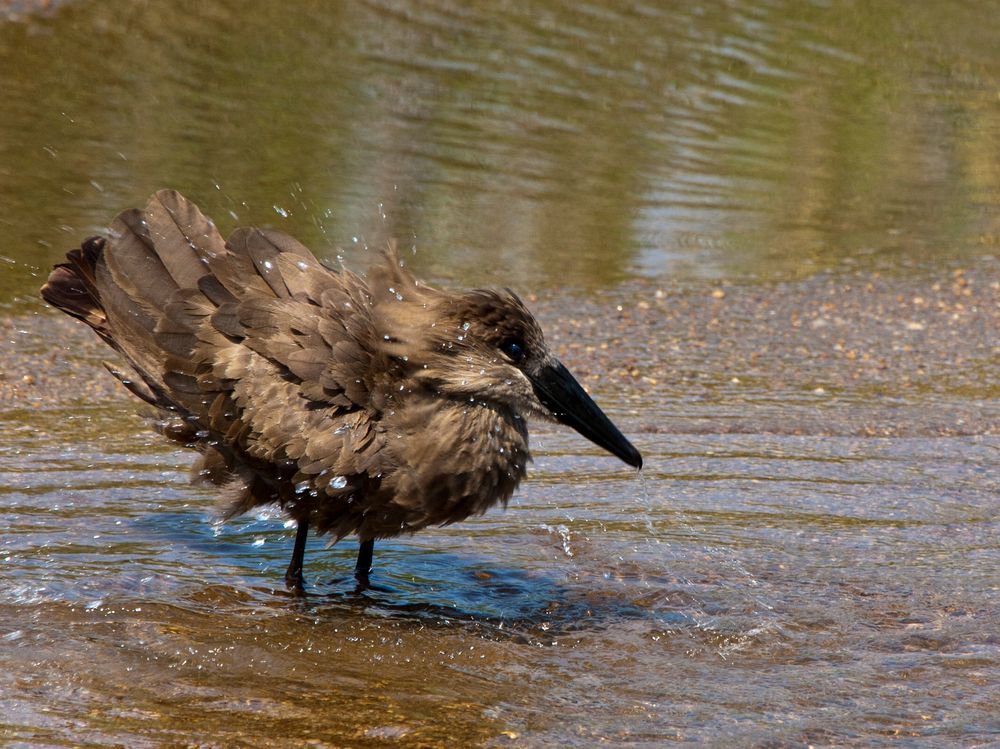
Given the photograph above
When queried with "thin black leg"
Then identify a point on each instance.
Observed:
(293, 576)
(364, 565)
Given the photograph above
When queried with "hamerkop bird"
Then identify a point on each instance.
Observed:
(377, 406)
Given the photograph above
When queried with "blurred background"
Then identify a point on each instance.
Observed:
(763, 233)
(555, 143)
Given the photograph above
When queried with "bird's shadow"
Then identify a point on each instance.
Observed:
(442, 588)
(429, 585)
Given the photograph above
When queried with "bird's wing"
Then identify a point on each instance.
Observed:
(283, 362)
(258, 347)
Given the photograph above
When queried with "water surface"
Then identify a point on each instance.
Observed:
(764, 236)
(557, 143)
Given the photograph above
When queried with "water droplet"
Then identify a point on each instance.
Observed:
(268, 264)
(339, 482)
(281, 211)
(302, 487)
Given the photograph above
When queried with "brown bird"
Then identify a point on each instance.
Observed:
(377, 406)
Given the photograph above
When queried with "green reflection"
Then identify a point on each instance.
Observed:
(545, 146)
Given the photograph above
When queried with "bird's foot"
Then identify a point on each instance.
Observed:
(362, 581)
(295, 583)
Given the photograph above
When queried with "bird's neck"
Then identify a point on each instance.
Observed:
(441, 438)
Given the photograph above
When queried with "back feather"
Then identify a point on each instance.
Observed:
(251, 343)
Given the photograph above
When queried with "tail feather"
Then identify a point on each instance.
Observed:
(163, 271)
(135, 384)
(139, 289)
(72, 286)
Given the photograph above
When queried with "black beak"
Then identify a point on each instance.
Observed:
(559, 392)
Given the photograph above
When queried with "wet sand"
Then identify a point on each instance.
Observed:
(864, 355)
(860, 355)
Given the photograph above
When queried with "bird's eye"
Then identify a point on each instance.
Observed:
(515, 349)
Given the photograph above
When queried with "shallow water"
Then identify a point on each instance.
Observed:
(779, 572)
(551, 145)
(748, 587)
(763, 235)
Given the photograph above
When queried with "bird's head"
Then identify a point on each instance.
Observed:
(485, 346)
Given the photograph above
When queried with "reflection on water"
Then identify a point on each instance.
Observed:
(552, 144)
(789, 586)
(810, 555)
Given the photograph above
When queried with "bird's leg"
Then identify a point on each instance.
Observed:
(364, 565)
(293, 576)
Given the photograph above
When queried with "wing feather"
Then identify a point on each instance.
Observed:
(250, 341)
